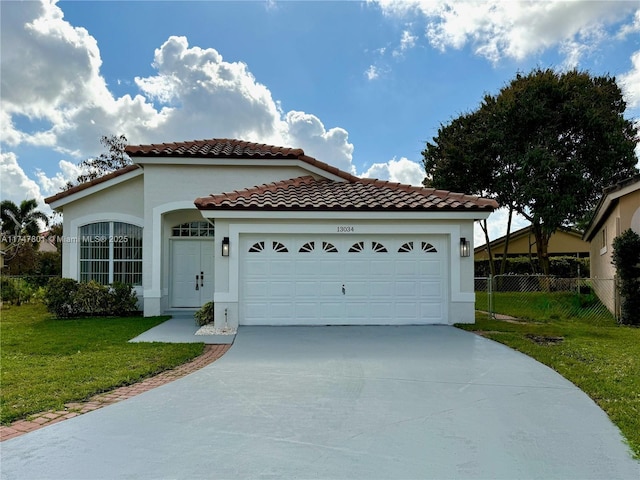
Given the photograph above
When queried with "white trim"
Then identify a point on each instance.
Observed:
(155, 284)
(95, 188)
(74, 253)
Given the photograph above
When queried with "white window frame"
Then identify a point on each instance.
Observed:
(111, 238)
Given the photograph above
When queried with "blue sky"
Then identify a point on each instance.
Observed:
(361, 85)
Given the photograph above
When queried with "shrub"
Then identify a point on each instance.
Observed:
(122, 299)
(205, 314)
(59, 297)
(8, 291)
(65, 297)
(91, 298)
(626, 258)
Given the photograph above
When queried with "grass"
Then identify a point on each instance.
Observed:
(545, 306)
(598, 356)
(46, 363)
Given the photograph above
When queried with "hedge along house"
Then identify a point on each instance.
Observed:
(272, 236)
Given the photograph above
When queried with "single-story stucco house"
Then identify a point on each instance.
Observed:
(617, 211)
(272, 236)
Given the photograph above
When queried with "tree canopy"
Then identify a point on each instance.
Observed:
(545, 147)
(113, 159)
(23, 219)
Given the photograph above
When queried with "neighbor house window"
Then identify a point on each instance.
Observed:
(111, 252)
(603, 241)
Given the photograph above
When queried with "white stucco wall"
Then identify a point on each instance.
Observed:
(170, 188)
(122, 202)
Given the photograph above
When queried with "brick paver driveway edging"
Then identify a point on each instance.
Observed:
(34, 422)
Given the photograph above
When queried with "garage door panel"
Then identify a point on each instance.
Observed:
(431, 311)
(360, 265)
(405, 289)
(386, 280)
(306, 310)
(306, 267)
(407, 309)
(331, 266)
(431, 289)
(406, 267)
(381, 267)
(330, 289)
(431, 268)
(282, 267)
(257, 290)
(257, 267)
(280, 289)
(331, 310)
(282, 310)
(381, 289)
(306, 289)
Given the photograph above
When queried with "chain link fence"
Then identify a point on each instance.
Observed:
(538, 297)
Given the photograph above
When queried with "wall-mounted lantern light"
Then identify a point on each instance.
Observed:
(225, 247)
(465, 247)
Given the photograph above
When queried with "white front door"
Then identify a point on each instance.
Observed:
(191, 272)
(351, 279)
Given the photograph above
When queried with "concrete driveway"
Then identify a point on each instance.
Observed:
(341, 402)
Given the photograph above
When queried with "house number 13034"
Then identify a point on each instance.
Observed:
(345, 229)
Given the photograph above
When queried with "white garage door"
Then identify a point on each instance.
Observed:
(342, 280)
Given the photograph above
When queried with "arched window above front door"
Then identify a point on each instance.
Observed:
(193, 229)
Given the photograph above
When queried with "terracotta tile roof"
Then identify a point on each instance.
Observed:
(84, 186)
(216, 147)
(229, 148)
(307, 193)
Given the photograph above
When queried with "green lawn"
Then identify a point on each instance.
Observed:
(545, 306)
(601, 358)
(46, 363)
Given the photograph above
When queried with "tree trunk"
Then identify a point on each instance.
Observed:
(503, 264)
(485, 229)
(542, 246)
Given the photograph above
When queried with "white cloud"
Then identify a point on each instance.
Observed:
(406, 42)
(306, 131)
(630, 28)
(199, 94)
(372, 72)
(496, 29)
(403, 171)
(630, 82)
(497, 224)
(16, 185)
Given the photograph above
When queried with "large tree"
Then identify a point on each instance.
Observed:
(112, 159)
(545, 146)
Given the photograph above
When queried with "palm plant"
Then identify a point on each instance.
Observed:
(22, 220)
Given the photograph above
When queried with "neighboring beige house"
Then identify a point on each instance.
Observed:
(272, 236)
(617, 211)
(564, 242)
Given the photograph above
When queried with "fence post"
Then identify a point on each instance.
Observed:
(490, 296)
